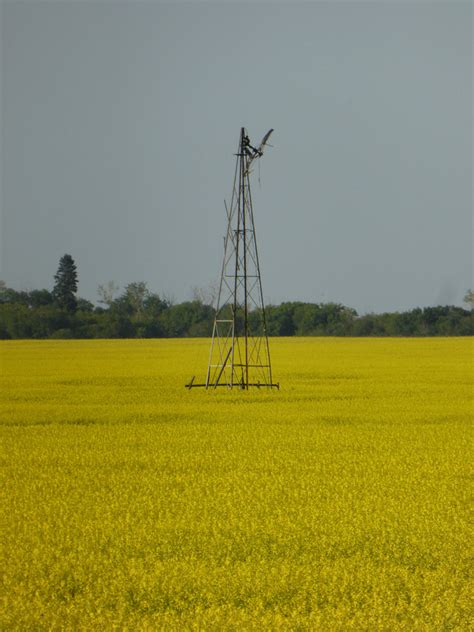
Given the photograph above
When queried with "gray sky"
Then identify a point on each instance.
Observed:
(120, 120)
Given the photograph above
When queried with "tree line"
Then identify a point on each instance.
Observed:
(139, 313)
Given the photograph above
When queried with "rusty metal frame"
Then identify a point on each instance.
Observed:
(238, 356)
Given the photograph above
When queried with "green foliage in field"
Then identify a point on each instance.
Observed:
(338, 503)
(139, 313)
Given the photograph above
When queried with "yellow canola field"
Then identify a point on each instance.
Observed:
(338, 503)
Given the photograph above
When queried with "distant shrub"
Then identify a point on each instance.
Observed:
(62, 334)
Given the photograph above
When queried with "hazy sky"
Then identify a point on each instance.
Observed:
(120, 120)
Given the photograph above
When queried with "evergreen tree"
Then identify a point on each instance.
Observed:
(65, 284)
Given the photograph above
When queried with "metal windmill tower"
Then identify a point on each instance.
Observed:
(240, 355)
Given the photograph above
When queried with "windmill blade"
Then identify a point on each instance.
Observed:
(264, 141)
(257, 153)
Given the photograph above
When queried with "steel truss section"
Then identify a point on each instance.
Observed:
(239, 356)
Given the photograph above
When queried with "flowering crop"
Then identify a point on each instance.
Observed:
(338, 503)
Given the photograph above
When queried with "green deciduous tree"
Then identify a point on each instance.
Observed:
(106, 292)
(37, 298)
(469, 298)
